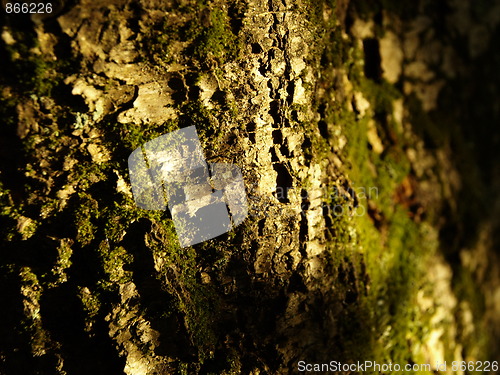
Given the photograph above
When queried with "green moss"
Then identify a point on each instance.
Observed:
(392, 256)
(195, 113)
(206, 29)
(118, 216)
(133, 135)
(114, 259)
(29, 69)
(385, 324)
(9, 214)
(91, 304)
(216, 41)
(196, 301)
(63, 263)
(85, 216)
(392, 259)
(380, 95)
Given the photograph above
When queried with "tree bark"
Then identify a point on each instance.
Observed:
(366, 134)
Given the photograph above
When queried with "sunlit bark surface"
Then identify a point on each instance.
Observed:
(366, 133)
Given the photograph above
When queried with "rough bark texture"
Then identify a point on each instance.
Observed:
(366, 132)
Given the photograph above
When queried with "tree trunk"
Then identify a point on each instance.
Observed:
(366, 135)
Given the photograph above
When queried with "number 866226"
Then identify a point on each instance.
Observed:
(28, 8)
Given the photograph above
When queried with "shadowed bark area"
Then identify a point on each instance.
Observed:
(366, 133)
